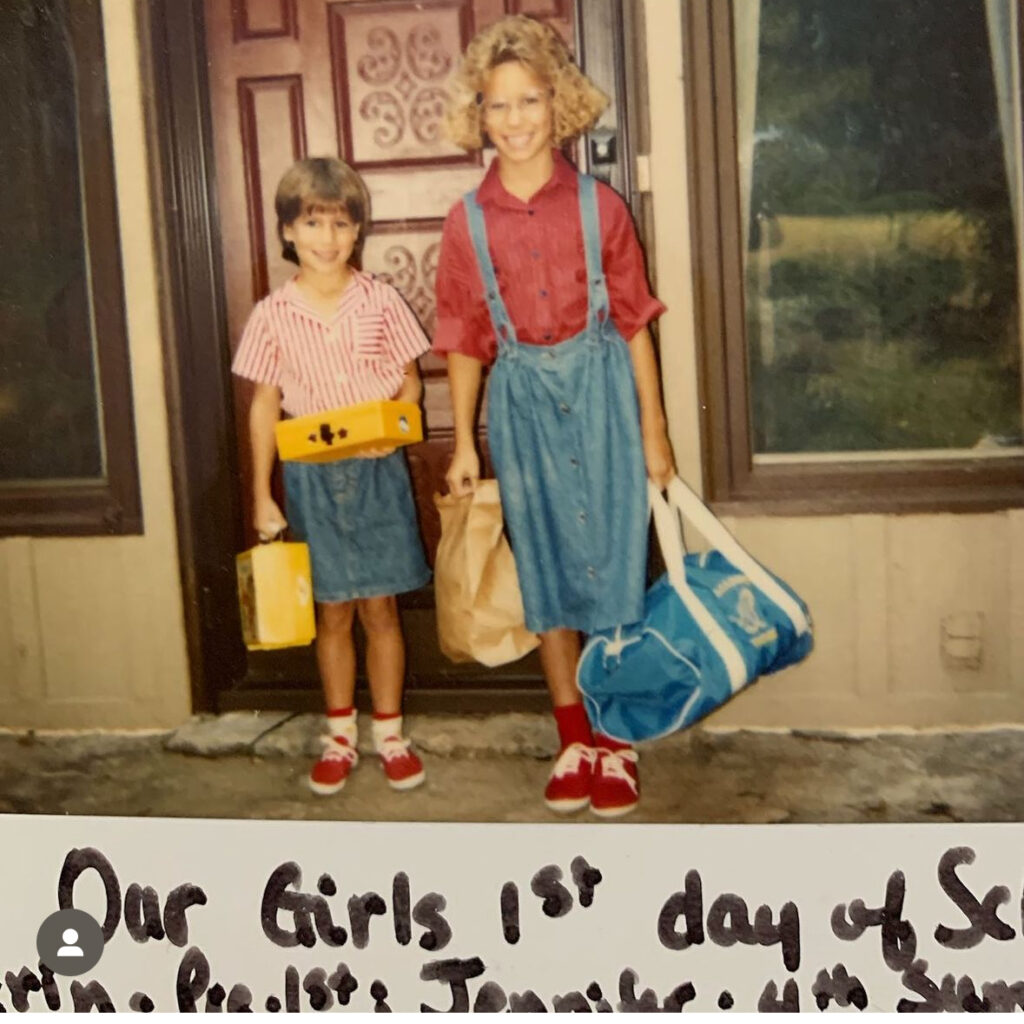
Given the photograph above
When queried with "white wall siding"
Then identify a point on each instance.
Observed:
(91, 629)
(878, 586)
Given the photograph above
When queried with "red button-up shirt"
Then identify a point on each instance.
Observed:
(537, 250)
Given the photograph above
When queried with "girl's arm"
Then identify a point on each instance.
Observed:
(264, 413)
(653, 427)
(464, 373)
(410, 391)
(412, 387)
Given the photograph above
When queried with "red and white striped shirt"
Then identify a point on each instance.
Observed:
(358, 355)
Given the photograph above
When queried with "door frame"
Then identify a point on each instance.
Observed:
(202, 436)
(194, 328)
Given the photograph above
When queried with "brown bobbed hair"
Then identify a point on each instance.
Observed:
(320, 182)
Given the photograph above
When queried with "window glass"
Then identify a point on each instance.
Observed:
(49, 422)
(880, 179)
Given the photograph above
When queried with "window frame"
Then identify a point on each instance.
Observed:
(109, 504)
(733, 482)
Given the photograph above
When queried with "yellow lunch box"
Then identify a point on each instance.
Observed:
(275, 595)
(341, 433)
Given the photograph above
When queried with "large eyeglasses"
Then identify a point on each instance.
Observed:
(530, 104)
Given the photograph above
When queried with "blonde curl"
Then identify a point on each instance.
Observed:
(576, 102)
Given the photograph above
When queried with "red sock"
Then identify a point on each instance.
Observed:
(340, 712)
(384, 716)
(609, 742)
(573, 725)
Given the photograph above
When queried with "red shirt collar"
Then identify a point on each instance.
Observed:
(491, 189)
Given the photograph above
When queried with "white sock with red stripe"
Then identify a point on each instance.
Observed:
(341, 725)
(386, 727)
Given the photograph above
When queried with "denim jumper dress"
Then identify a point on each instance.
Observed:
(564, 433)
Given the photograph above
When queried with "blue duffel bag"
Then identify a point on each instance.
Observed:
(712, 624)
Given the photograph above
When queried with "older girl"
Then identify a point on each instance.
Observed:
(541, 273)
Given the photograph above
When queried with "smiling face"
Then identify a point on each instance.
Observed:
(324, 236)
(517, 113)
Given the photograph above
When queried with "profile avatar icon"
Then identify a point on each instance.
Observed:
(70, 942)
(70, 948)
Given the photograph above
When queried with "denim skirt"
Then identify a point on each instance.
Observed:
(359, 519)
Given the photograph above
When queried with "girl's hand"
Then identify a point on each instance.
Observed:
(268, 520)
(464, 472)
(661, 467)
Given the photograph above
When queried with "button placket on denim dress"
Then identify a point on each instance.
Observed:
(564, 434)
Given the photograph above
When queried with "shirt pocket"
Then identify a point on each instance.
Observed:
(368, 338)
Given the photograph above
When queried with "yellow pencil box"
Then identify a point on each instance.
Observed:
(341, 433)
(275, 595)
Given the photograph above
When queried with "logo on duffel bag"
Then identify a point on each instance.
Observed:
(746, 615)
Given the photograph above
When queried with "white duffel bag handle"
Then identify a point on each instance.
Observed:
(668, 527)
(690, 509)
(683, 505)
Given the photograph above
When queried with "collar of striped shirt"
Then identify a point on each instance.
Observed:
(358, 287)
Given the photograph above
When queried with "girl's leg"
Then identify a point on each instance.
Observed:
(336, 653)
(594, 769)
(385, 653)
(568, 788)
(336, 657)
(385, 667)
(559, 653)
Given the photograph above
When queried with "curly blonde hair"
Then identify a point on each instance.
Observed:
(576, 102)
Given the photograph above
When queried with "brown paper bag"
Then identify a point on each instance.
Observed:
(479, 605)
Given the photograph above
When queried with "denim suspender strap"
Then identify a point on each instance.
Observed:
(597, 287)
(503, 329)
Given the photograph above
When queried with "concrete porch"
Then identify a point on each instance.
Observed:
(253, 765)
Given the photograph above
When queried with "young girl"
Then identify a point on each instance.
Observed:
(540, 271)
(333, 336)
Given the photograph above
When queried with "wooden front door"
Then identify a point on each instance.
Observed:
(365, 80)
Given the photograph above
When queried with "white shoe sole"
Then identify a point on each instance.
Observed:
(324, 789)
(612, 812)
(410, 783)
(567, 806)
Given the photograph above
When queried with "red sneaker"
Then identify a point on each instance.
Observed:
(403, 768)
(616, 788)
(331, 772)
(568, 788)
